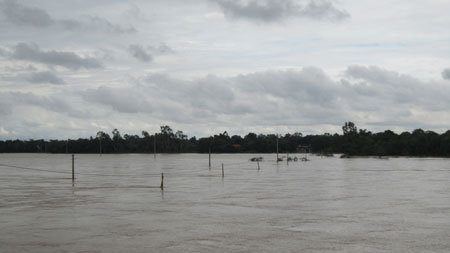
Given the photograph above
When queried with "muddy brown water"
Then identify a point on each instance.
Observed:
(324, 205)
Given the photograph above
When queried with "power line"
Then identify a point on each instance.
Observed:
(83, 174)
(35, 169)
(108, 175)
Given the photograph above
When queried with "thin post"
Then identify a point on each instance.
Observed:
(258, 165)
(223, 173)
(162, 181)
(154, 146)
(209, 157)
(100, 140)
(277, 148)
(287, 157)
(73, 167)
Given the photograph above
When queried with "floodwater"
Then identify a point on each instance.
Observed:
(324, 205)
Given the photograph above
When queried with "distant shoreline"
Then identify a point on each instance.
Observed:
(353, 143)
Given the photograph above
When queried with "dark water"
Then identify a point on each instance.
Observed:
(324, 205)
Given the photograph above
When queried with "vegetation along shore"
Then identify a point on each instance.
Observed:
(352, 142)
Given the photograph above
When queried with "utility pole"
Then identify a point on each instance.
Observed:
(210, 157)
(277, 148)
(73, 168)
(154, 146)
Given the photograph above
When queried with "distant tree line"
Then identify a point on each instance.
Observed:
(352, 142)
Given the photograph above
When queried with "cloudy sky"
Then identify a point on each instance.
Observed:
(71, 68)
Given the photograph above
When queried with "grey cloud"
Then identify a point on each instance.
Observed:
(261, 11)
(27, 74)
(308, 95)
(446, 74)
(101, 23)
(375, 80)
(310, 84)
(205, 94)
(389, 88)
(44, 77)
(119, 99)
(3, 52)
(377, 75)
(271, 98)
(292, 98)
(323, 10)
(20, 68)
(51, 103)
(22, 15)
(161, 49)
(276, 10)
(138, 52)
(170, 99)
(5, 108)
(70, 60)
(133, 12)
(146, 54)
(262, 96)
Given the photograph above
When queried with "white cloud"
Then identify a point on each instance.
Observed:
(3, 132)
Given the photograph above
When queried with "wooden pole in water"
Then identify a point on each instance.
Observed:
(277, 148)
(287, 157)
(154, 146)
(223, 173)
(258, 165)
(209, 157)
(73, 167)
(162, 181)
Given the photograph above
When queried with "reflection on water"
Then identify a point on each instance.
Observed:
(326, 204)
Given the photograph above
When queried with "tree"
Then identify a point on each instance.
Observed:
(147, 142)
(349, 128)
(100, 137)
(117, 140)
(167, 131)
(350, 145)
(181, 137)
(104, 142)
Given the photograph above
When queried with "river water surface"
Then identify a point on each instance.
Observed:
(324, 205)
